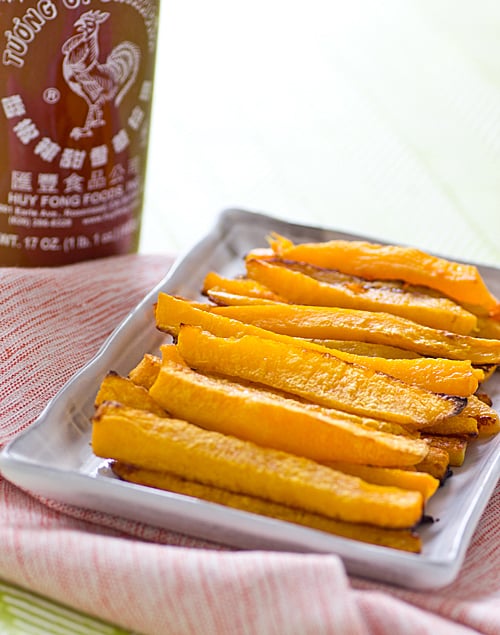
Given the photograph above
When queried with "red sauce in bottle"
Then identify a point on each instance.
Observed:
(76, 80)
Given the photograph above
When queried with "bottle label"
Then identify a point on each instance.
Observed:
(76, 81)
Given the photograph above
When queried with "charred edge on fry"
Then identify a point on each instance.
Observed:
(460, 402)
(427, 519)
(448, 474)
(485, 398)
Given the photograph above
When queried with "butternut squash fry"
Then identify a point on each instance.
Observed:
(315, 376)
(402, 539)
(355, 293)
(488, 420)
(171, 354)
(378, 328)
(146, 371)
(487, 371)
(436, 463)
(147, 441)
(463, 424)
(398, 286)
(421, 482)
(122, 390)
(368, 349)
(455, 447)
(223, 298)
(372, 261)
(238, 286)
(378, 424)
(451, 377)
(488, 328)
(334, 276)
(270, 420)
(171, 312)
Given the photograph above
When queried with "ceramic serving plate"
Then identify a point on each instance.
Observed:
(53, 458)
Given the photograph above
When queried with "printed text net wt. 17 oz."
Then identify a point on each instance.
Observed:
(76, 81)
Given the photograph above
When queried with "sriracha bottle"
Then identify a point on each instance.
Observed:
(76, 82)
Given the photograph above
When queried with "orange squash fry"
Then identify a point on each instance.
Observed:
(146, 371)
(455, 377)
(463, 424)
(402, 539)
(355, 293)
(147, 441)
(171, 353)
(238, 286)
(488, 327)
(454, 446)
(487, 370)
(421, 482)
(372, 261)
(122, 390)
(223, 298)
(271, 420)
(315, 376)
(436, 463)
(368, 349)
(488, 420)
(451, 377)
(351, 324)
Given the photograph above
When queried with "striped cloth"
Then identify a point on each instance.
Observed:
(157, 582)
(23, 613)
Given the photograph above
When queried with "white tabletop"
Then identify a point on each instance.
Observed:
(380, 118)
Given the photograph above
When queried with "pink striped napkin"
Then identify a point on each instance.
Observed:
(157, 582)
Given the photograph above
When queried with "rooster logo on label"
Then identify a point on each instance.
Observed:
(94, 80)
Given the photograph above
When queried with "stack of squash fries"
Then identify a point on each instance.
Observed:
(332, 385)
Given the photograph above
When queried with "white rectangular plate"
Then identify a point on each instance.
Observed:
(53, 457)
